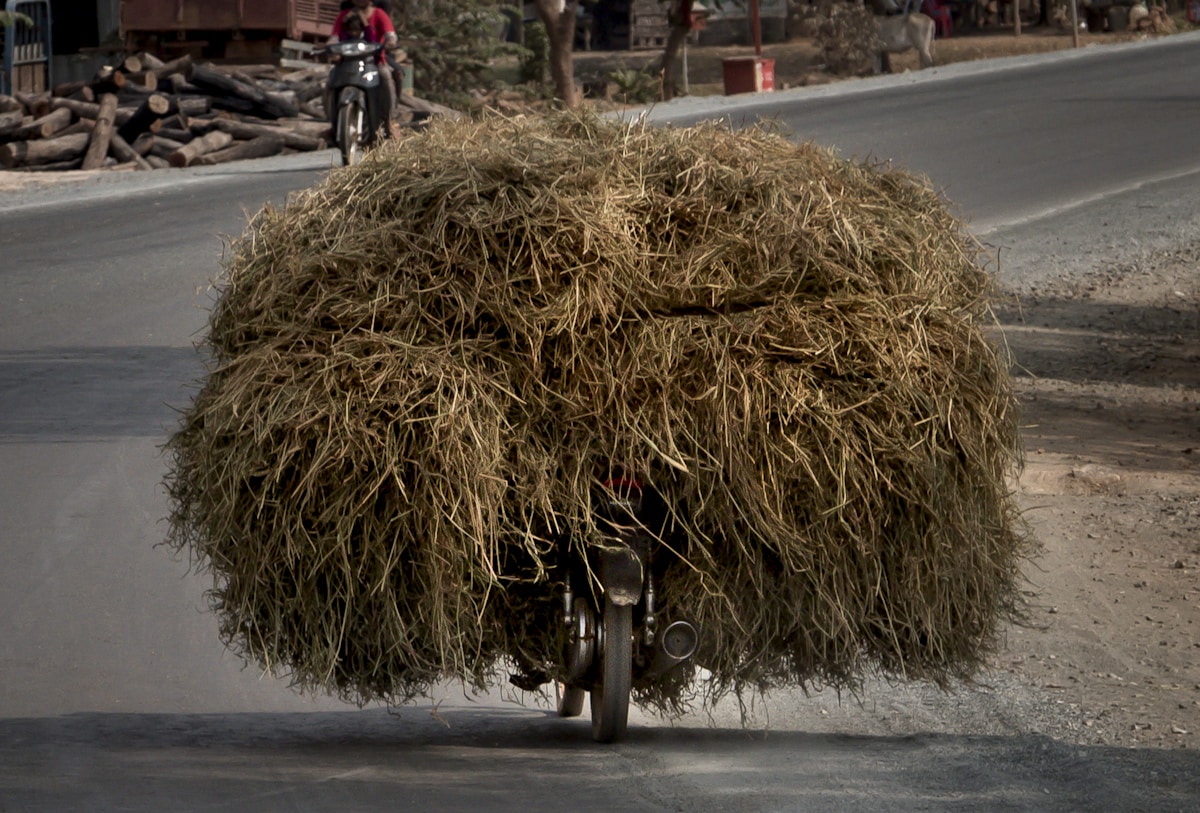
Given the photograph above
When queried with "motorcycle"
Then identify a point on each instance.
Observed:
(356, 97)
(613, 634)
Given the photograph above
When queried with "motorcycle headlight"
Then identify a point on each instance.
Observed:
(353, 48)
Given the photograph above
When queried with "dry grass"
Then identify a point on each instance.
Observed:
(422, 367)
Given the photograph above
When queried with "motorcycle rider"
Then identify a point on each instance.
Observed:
(366, 20)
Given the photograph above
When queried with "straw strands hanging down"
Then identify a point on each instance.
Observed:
(421, 368)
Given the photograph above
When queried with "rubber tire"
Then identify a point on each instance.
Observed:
(347, 141)
(610, 699)
(570, 699)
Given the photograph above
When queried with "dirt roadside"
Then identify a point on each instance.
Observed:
(1108, 373)
(798, 61)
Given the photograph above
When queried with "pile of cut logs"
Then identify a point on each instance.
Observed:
(147, 114)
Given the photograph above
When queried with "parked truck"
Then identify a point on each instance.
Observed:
(229, 29)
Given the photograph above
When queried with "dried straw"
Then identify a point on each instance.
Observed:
(421, 368)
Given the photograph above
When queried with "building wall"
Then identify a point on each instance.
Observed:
(108, 16)
(81, 24)
(730, 24)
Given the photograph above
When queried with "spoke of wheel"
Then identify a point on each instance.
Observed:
(610, 700)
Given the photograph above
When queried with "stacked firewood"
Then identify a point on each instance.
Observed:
(144, 113)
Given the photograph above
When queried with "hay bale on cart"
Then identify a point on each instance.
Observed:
(421, 368)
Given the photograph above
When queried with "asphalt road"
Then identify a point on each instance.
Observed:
(1012, 140)
(114, 691)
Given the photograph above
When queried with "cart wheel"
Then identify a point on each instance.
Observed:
(610, 699)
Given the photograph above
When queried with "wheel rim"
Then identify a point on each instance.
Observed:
(350, 128)
(581, 647)
(577, 658)
(610, 699)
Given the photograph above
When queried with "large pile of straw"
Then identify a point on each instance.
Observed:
(421, 368)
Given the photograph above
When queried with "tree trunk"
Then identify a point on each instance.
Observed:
(259, 147)
(56, 166)
(175, 134)
(80, 126)
(123, 152)
(234, 104)
(668, 69)
(38, 104)
(271, 105)
(44, 127)
(143, 81)
(102, 133)
(161, 147)
(183, 65)
(407, 100)
(80, 91)
(290, 138)
(151, 62)
(194, 105)
(142, 144)
(8, 105)
(68, 88)
(90, 110)
(171, 122)
(188, 153)
(173, 83)
(44, 150)
(316, 128)
(154, 108)
(108, 80)
(11, 122)
(559, 18)
(314, 108)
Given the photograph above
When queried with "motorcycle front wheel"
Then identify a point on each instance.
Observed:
(610, 699)
(350, 132)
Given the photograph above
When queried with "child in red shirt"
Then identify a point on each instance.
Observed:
(377, 25)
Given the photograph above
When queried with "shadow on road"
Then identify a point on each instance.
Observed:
(1142, 345)
(91, 393)
(526, 759)
(1119, 378)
